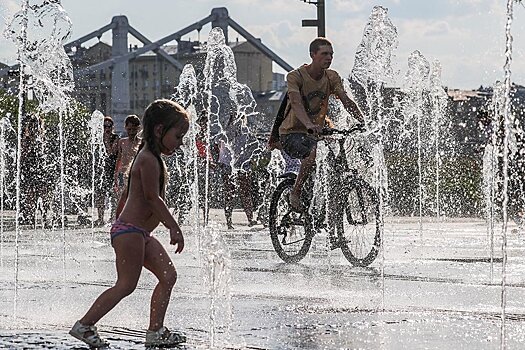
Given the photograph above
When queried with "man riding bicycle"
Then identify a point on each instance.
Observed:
(309, 88)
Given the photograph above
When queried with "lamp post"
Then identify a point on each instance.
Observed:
(320, 21)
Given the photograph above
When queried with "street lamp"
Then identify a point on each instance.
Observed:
(320, 21)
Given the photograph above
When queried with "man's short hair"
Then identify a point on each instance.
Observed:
(132, 119)
(317, 43)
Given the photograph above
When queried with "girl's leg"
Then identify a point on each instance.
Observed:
(157, 260)
(129, 250)
(244, 180)
(307, 166)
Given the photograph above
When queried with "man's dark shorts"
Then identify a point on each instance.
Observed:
(297, 145)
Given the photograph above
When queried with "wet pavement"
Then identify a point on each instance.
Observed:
(435, 291)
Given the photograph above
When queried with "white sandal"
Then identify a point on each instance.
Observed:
(94, 341)
(163, 337)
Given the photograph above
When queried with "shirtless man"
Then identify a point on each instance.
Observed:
(126, 150)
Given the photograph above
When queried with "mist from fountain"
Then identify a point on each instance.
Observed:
(230, 106)
(507, 122)
(98, 157)
(217, 277)
(373, 70)
(416, 87)
(186, 95)
(438, 112)
(492, 177)
(7, 160)
(39, 30)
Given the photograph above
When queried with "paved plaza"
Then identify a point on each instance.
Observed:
(431, 290)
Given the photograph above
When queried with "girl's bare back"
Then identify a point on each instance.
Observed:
(143, 185)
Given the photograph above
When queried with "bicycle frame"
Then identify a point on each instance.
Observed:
(347, 193)
(342, 175)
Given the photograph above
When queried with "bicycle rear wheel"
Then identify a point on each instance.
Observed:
(360, 230)
(291, 232)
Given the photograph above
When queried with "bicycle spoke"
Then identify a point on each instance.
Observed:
(360, 229)
(289, 236)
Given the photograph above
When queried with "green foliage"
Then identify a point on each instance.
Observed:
(460, 192)
(403, 183)
(461, 183)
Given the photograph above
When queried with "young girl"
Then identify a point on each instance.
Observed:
(140, 210)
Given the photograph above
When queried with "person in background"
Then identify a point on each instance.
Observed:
(104, 189)
(239, 183)
(126, 150)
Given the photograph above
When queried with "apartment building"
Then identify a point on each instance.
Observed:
(153, 77)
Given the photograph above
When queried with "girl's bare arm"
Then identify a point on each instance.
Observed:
(149, 168)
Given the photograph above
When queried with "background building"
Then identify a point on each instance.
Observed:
(152, 77)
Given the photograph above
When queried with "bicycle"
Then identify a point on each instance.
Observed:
(359, 236)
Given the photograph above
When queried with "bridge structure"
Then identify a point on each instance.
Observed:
(118, 64)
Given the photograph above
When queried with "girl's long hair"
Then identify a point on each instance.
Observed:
(169, 114)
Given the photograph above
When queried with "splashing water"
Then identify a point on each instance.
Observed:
(98, 156)
(217, 274)
(187, 167)
(438, 112)
(186, 95)
(416, 86)
(491, 161)
(232, 103)
(373, 58)
(39, 30)
(506, 123)
(372, 70)
(214, 254)
(230, 106)
(7, 160)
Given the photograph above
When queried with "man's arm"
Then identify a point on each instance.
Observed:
(114, 145)
(300, 112)
(351, 106)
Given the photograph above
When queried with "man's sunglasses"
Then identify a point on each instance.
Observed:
(108, 125)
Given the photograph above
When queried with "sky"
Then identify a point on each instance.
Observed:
(466, 36)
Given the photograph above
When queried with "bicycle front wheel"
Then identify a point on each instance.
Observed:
(360, 227)
(291, 232)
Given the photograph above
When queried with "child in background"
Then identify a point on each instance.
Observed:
(127, 148)
(140, 210)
